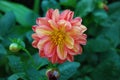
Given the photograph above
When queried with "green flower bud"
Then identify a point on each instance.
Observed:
(101, 5)
(14, 47)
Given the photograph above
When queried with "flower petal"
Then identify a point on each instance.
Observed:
(54, 58)
(34, 27)
(34, 43)
(76, 22)
(49, 49)
(82, 39)
(49, 13)
(41, 53)
(76, 48)
(66, 15)
(83, 28)
(42, 21)
(77, 31)
(42, 42)
(61, 52)
(42, 32)
(69, 42)
(70, 58)
(35, 36)
(80, 50)
(55, 15)
(64, 24)
(36, 40)
(53, 25)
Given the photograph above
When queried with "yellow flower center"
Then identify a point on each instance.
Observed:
(58, 37)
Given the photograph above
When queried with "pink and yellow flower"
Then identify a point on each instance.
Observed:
(58, 36)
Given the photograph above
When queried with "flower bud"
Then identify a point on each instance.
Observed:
(102, 5)
(52, 74)
(14, 47)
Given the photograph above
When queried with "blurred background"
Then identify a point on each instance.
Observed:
(100, 59)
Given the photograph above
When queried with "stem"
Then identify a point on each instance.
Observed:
(28, 53)
(36, 6)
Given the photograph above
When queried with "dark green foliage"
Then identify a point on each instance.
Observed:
(68, 69)
(100, 59)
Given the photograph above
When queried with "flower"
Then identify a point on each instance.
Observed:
(58, 36)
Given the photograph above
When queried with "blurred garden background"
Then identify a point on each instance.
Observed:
(100, 59)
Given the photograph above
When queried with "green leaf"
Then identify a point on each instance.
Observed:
(28, 34)
(100, 16)
(39, 62)
(98, 45)
(84, 7)
(2, 50)
(108, 69)
(68, 69)
(114, 7)
(111, 26)
(15, 63)
(112, 34)
(86, 69)
(46, 4)
(69, 3)
(17, 76)
(6, 22)
(113, 19)
(24, 16)
(33, 74)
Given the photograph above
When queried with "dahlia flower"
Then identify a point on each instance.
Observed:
(59, 37)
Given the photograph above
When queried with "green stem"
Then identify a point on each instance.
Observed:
(36, 6)
(28, 53)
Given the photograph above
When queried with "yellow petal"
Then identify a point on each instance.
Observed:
(83, 28)
(53, 25)
(69, 42)
(61, 52)
(42, 32)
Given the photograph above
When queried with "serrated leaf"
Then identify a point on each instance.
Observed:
(108, 69)
(114, 7)
(24, 16)
(15, 63)
(39, 62)
(68, 69)
(6, 22)
(33, 74)
(111, 25)
(17, 76)
(86, 69)
(100, 16)
(113, 35)
(84, 7)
